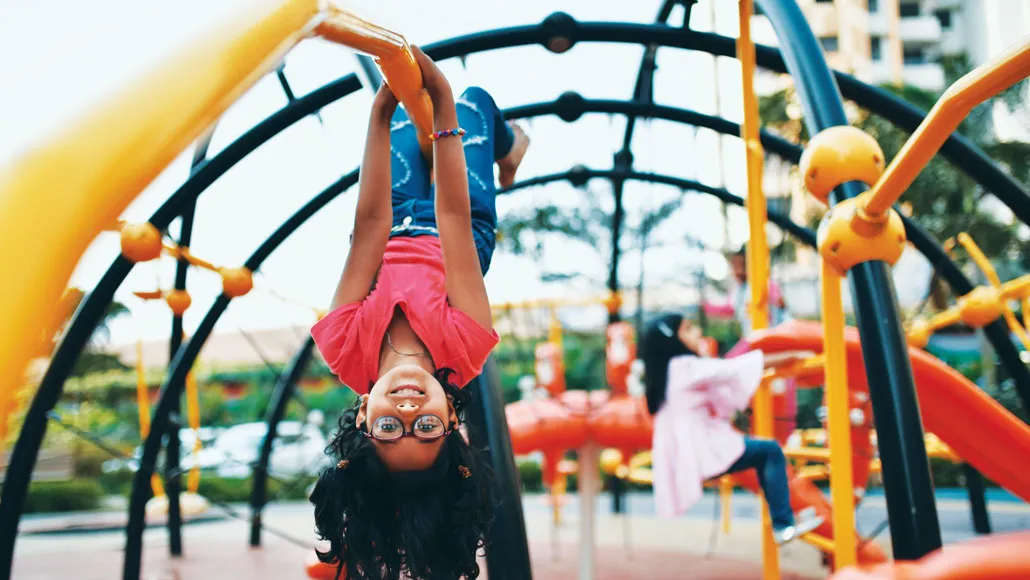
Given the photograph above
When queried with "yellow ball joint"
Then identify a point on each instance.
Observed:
(611, 460)
(847, 236)
(179, 301)
(919, 332)
(838, 155)
(236, 282)
(980, 307)
(140, 242)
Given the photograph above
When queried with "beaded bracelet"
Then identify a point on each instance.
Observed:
(446, 133)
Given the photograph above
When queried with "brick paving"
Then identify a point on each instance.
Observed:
(657, 550)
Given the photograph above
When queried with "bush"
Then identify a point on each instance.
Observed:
(238, 490)
(117, 482)
(530, 476)
(64, 496)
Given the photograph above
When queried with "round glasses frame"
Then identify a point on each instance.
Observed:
(404, 432)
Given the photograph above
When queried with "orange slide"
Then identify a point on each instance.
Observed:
(976, 427)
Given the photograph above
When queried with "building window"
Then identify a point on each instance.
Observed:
(944, 17)
(874, 6)
(829, 43)
(824, 1)
(913, 56)
(909, 9)
(876, 47)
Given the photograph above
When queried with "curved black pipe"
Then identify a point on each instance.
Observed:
(958, 150)
(911, 509)
(581, 174)
(181, 366)
(91, 310)
(966, 157)
(172, 452)
(281, 395)
(507, 556)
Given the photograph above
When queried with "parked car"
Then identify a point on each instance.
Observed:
(187, 438)
(298, 449)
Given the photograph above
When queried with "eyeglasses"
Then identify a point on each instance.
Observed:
(424, 428)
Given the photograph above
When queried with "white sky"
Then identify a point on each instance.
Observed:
(65, 55)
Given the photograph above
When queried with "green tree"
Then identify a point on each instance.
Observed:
(588, 223)
(945, 201)
(93, 358)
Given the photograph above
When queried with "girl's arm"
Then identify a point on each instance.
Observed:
(373, 216)
(464, 275)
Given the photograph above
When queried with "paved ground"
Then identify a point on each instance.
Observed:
(640, 546)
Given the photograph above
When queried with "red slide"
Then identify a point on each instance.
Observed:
(976, 427)
(969, 421)
(1000, 557)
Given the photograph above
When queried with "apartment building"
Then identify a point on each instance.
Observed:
(903, 41)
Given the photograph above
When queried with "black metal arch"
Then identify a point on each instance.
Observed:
(962, 154)
(579, 174)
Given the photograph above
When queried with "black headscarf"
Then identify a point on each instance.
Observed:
(660, 344)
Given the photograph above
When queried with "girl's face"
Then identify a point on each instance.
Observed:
(691, 337)
(407, 393)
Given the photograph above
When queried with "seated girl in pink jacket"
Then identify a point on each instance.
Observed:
(693, 400)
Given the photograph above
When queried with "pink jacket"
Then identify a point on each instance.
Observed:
(693, 438)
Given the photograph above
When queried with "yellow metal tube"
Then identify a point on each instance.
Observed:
(807, 365)
(193, 416)
(980, 259)
(395, 59)
(841, 485)
(143, 406)
(57, 197)
(974, 88)
(757, 255)
(726, 499)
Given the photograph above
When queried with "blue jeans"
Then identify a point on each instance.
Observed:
(487, 139)
(767, 459)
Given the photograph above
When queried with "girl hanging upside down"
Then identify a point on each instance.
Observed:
(693, 400)
(410, 326)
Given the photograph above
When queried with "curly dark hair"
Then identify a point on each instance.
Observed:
(429, 524)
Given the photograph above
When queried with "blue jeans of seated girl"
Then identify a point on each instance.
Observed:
(487, 138)
(767, 459)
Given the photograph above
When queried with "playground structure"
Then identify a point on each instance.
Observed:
(161, 113)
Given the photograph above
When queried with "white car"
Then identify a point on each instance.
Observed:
(298, 449)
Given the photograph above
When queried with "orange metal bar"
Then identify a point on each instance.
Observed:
(181, 253)
(757, 256)
(974, 88)
(143, 406)
(845, 548)
(815, 362)
(58, 195)
(395, 59)
(978, 257)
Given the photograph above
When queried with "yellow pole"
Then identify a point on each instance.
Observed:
(982, 83)
(726, 497)
(757, 256)
(193, 415)
(143, 404)
(841, 485)
(56, 197)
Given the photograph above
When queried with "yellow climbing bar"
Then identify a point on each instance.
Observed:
(953, 107)
(978, 257)
(394, 57)
(757, 255)
(812, 363)
(57, 196)
(841, 486)
(143, 407)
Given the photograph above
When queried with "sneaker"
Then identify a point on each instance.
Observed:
(806, 524)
